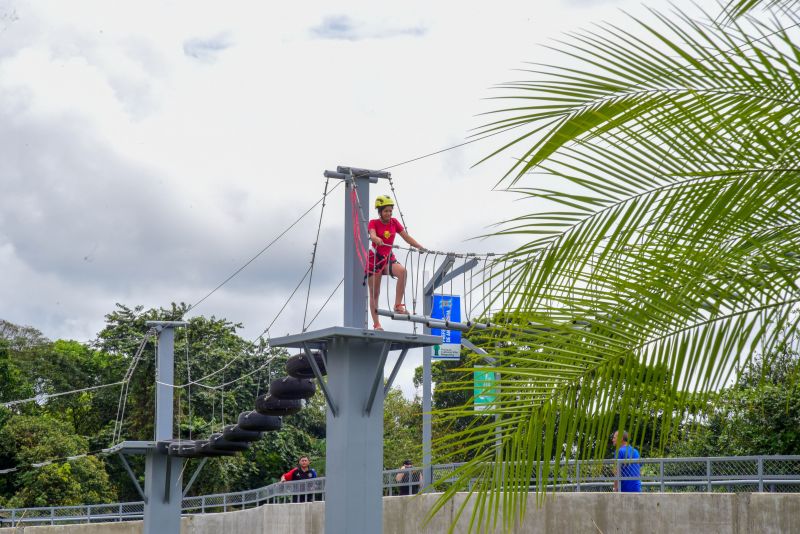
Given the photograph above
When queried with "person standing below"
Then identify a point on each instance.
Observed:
(409, 479)
(381, 259)
(630, 471)
(303, 471)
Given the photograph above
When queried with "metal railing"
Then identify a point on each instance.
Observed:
(743, 474)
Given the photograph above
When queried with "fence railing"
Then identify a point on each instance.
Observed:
(775, 474)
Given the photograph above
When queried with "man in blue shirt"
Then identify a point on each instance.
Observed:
(627, 470)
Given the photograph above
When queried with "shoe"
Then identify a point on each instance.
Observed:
(377, 326)
(400, 308)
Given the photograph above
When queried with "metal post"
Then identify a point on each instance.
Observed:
(355, 358)
(355, 292)
(427, 389)
(354, 437)
(354, 442)
(661, 473)
(761, 474)
(162, 479)
(708, 474)
(429, 284)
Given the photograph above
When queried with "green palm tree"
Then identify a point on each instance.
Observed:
(669, 153)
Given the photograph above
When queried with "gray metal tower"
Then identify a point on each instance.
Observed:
(355, 388)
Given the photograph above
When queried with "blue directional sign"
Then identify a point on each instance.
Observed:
(447, 307)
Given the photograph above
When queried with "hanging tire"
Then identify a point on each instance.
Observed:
(217, 442)
(292, 388)
(255, 421)
(298, 366)
(204, 449)
(269, 405)
(237, 433)
(183, 449)
(162, 446)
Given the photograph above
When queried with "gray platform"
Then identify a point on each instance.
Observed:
(321, 339)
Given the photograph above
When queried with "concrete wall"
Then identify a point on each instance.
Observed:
(573, 513)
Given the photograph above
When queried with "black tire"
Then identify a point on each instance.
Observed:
(237, 433)
(162, 446)
(259, 422)
(183, 449)
(298, 366)
(218, 443)
(292, 388)
(269, 405)
(204, 449)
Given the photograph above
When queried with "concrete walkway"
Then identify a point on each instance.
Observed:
(568, 513)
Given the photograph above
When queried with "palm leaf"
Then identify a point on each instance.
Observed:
(738, 8)
(669, 154)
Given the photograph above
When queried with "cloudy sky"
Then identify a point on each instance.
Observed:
(149, 149)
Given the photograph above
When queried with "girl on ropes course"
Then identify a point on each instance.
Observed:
(381, 259)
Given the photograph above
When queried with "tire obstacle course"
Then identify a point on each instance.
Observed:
(353, 359)
(285, 397)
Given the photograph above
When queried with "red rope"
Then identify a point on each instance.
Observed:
(361, 251)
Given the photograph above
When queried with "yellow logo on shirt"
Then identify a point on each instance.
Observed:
(387, 234)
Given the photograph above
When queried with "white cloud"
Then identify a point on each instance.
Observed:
(206, 49)
(149, 149)
(346, 28)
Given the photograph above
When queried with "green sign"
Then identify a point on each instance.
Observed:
(484, 389)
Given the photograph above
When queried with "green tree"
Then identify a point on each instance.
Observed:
(402, 430)
(760, 414)
(26, 440)
(452, 383)
(221, 375)
(665, 153)
(12, 383)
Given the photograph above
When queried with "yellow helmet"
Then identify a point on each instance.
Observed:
(382, 201)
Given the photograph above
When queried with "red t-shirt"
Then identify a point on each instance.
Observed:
(385, 232)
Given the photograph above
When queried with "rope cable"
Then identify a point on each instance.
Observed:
(314, 252)
(123, 399)
(326, 302)
(46, 396)
(397, 202)
(199, 381)
(267, 247)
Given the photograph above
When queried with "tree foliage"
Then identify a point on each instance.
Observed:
(226, 373)
(402, 430)
(759, 414)
(27, 440)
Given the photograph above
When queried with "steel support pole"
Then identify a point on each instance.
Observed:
(427, 389)
(162, 479)
(355, 292)
(429, 285)
(354, 454)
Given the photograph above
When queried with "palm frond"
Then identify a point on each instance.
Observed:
(738, 8)
(669, 154)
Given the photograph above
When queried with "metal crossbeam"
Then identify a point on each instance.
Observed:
(135, 480)
(194, 476)
(439, 275)
(433, 323)
(318, 374)
(378, 377)
(395, 369)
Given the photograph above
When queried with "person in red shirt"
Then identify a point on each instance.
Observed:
(303, 471)
(382, 232)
